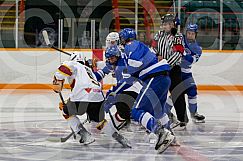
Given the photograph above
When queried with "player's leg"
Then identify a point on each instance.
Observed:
(177, 90)
(192, 97)
(110, 128)
(165, 119)
(96, 115)
(169, 104)
(173, 120)
(148, 103)
(125, 101)
(70, 111)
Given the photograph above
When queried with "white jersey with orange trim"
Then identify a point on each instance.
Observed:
(85, 87)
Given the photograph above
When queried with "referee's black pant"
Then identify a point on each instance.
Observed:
(177, 90)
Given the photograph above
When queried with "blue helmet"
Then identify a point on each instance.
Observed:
(127, 33)
(192, 27)
(112, 51)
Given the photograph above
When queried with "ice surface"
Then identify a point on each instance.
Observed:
(29, 118)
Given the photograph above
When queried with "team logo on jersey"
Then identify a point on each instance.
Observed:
(88, 89)
(188, 51)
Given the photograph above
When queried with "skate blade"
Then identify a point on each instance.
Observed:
(199, 122)
(127, 146)
(87, 143)
(175, 143)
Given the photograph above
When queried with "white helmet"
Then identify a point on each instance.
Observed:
(112, 37)
(77, 56)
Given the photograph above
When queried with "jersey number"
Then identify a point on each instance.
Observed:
(177, 40)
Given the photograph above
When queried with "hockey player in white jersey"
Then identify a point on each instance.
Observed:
(86, 97)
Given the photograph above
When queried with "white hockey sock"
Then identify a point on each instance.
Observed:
(109, 129)
(164, 120)
(74, 123)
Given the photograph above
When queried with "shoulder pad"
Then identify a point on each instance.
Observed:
(131, 46)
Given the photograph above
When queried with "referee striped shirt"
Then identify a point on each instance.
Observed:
(163, 46)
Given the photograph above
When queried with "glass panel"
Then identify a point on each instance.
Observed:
(34, 16)
(7, 24)
(232, 25)
(206, 14)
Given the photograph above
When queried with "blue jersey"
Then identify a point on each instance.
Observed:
(141, 62)
(116, 69)
(193, 52)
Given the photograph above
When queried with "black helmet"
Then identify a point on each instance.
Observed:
(168, 18)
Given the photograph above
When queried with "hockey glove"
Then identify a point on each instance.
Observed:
(62, 106)
(57, 85)
(177, 45)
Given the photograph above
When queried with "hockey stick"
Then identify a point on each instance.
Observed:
(64, 139)
(46, 38)
(67, 137)
(71, 134)
(109, 112)
(61, 97)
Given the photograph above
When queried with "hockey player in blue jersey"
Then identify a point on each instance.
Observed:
(116, 64)
(142, 64)
(192, 54)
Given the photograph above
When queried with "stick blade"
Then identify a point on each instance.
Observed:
(46, 38)
(54, 139)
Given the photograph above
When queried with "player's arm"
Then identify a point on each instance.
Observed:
(100, 74)
(154, 43)
(193, 58)
(197, 55)
(178, 50)
(112, 93)
(62, 72)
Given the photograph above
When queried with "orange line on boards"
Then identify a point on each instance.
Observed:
(108, 86)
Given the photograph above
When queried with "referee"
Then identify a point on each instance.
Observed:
(168, 45)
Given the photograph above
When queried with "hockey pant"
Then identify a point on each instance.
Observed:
(149, 108)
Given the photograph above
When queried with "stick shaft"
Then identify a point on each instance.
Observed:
(53, 47)
(61, 97)
(67, 137)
